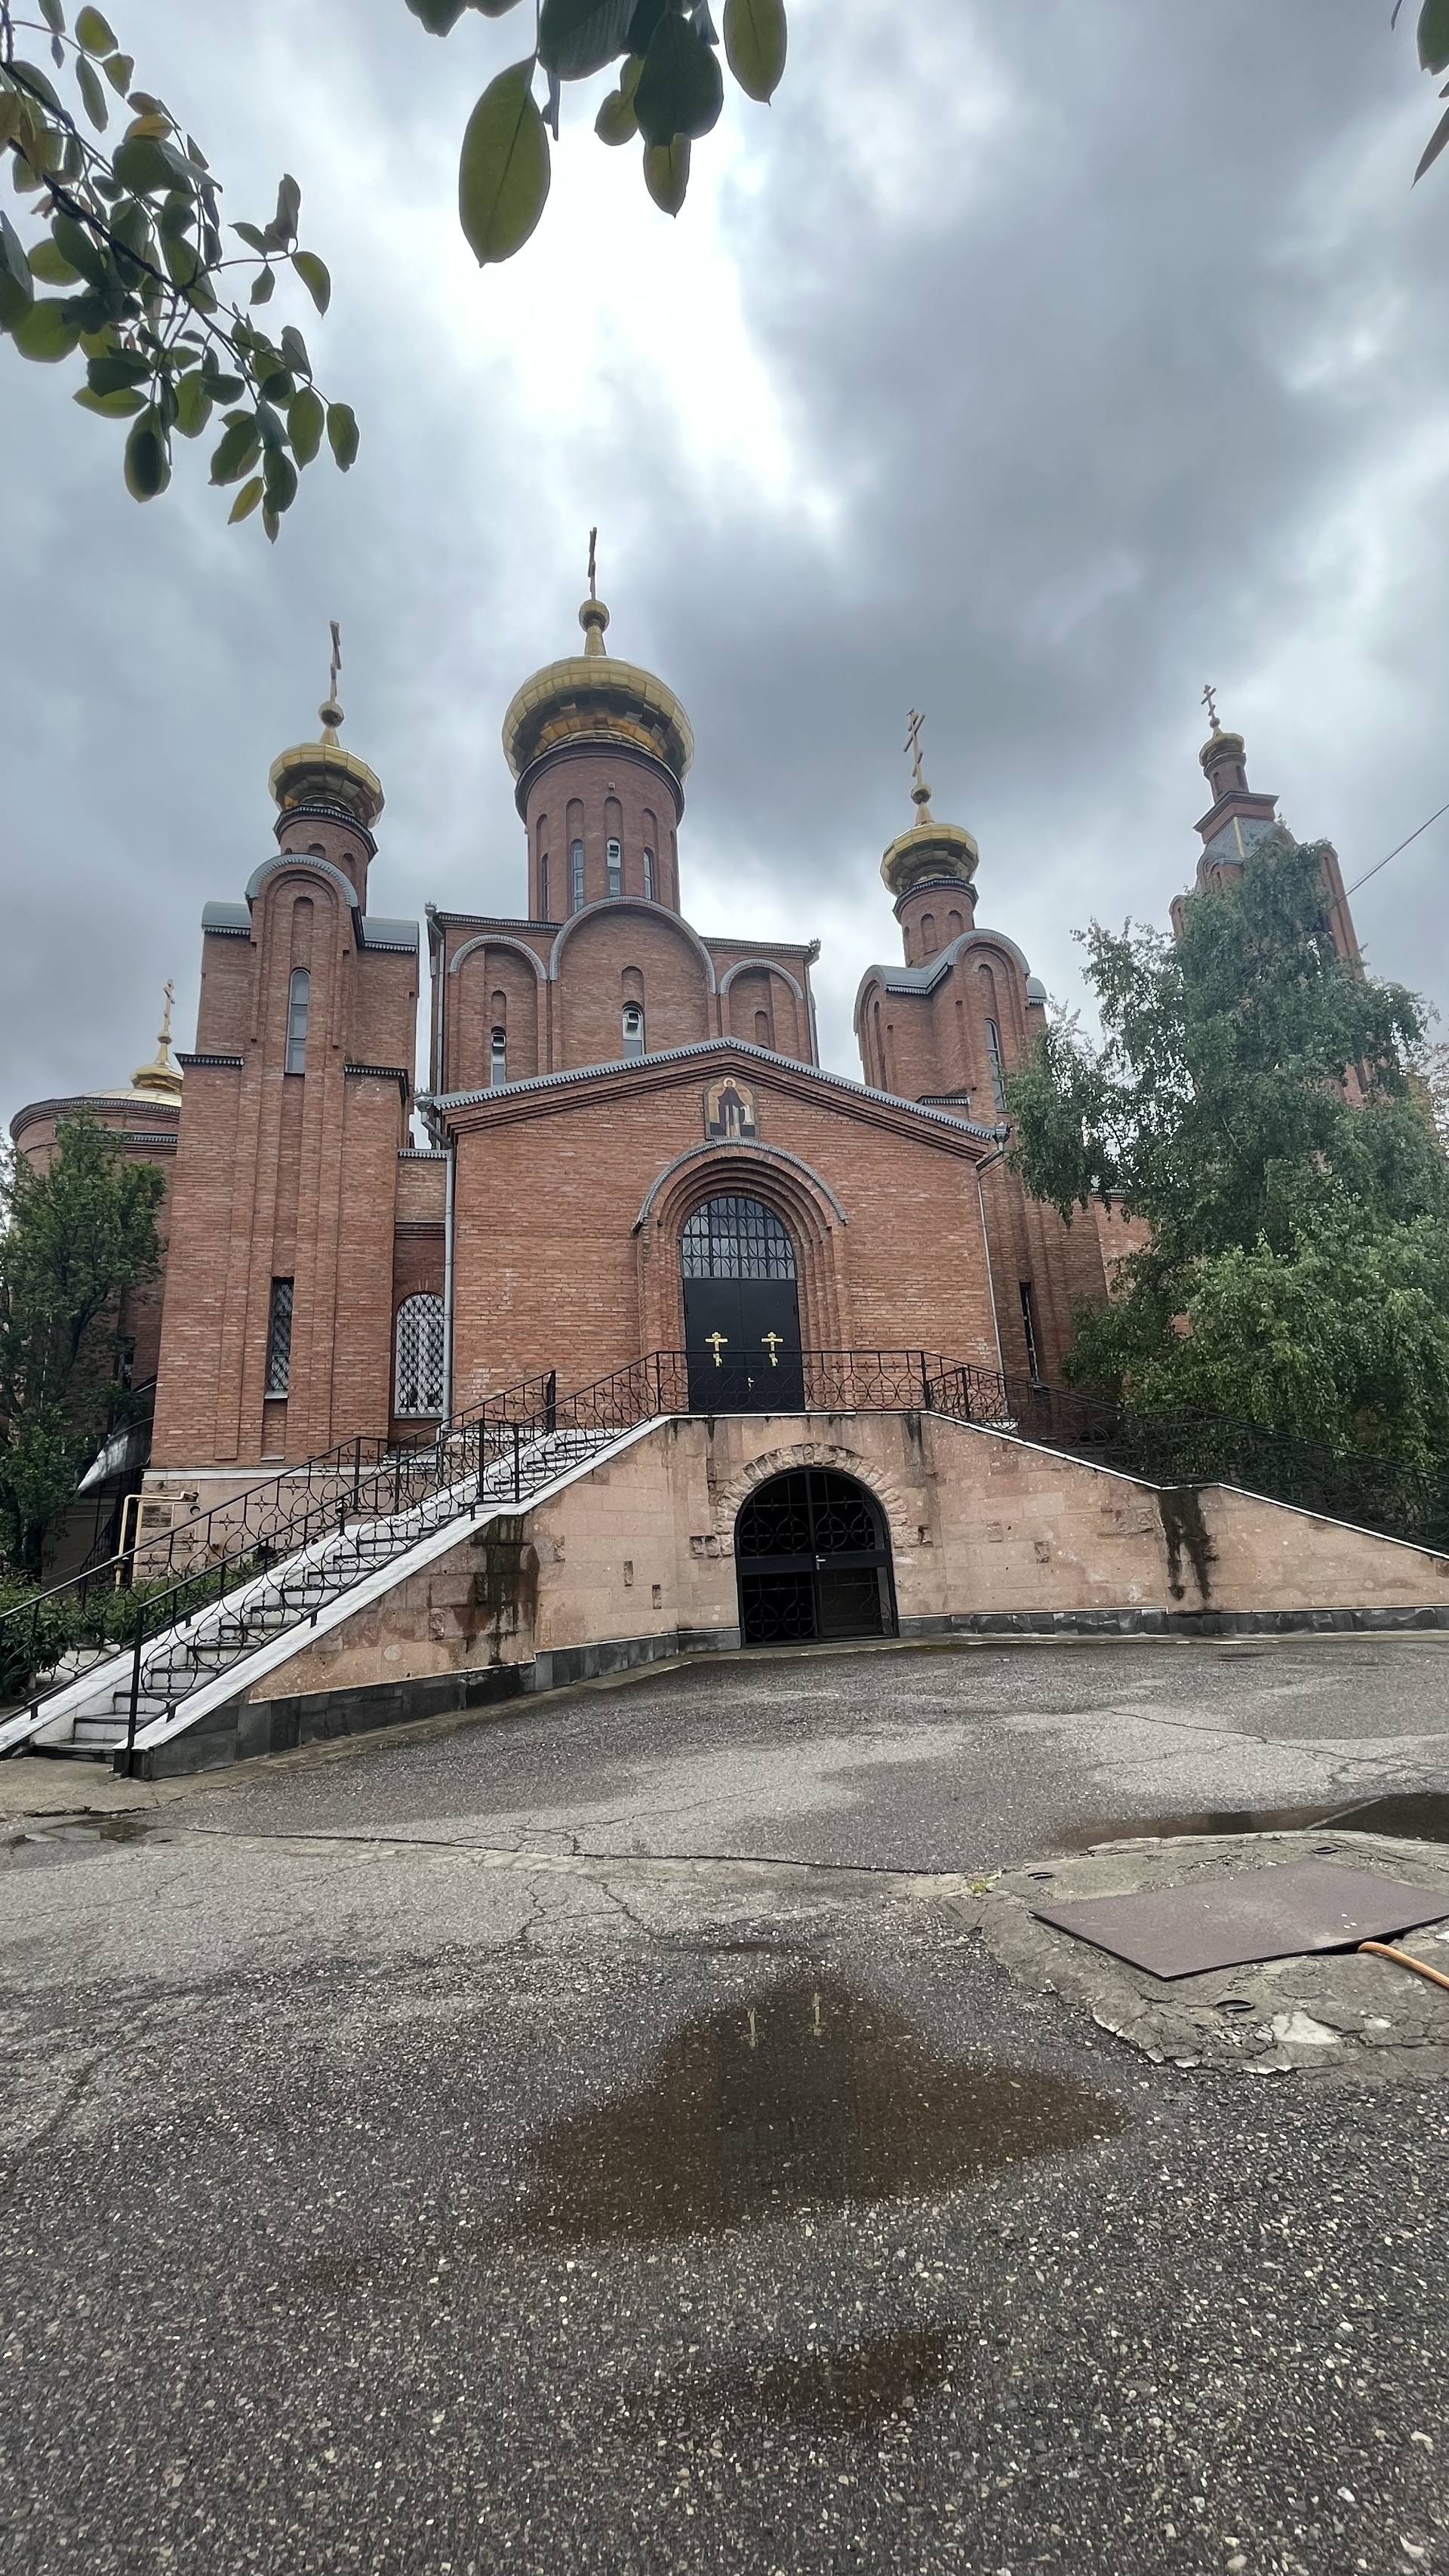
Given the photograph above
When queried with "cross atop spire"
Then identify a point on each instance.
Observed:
(330, 712)
(920, 792)
(593, 563)
(1209, 699)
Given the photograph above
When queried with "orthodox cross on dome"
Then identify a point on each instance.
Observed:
(593, 563)
(331, 712)
(1210, 701)
(169, 990)
(920, 792)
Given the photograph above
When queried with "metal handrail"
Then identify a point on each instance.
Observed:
(368, 1479)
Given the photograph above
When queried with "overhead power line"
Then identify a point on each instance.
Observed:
(1393, 854)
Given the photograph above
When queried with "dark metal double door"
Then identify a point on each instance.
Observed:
(742, 1337)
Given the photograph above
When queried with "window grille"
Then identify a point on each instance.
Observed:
(649, 876)
(998, 1070)
(299, 1000)
(615, 859)
(633, 1029)
(576, 875)
(498, 1058)
(421, 1351)
(1028, 1326)
(279, 1338)
(733, 1238)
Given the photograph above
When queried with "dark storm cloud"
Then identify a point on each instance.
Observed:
(1026, 363)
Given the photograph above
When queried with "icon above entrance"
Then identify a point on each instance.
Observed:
(741, 1310)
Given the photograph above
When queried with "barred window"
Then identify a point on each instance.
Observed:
(299, 1002)
(279, 1338)
(615, 861)
(576, 876)
(633, 1030)
(421, 1347)
(732, 1238)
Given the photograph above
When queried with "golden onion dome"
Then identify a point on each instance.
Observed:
(594, 698)
(322, 773)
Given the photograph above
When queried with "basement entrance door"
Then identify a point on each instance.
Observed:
(813, 1560)
(741, 1310)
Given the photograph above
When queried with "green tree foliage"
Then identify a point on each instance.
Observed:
(669, 91)
(1252, 1100)
(75, 1239)
(131, 236)
(1433, 42)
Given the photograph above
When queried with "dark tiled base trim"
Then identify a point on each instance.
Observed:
(1171, 1623)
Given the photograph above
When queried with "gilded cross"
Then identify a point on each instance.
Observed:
(912, 742)
(593, 562)
(336, 672)
(773, 1342)
(1210, 701)
(717, 1343)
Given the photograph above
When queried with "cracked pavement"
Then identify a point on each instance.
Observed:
(609, 2133)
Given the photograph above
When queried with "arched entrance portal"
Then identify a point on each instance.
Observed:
(812, 1554)
(741, 1310)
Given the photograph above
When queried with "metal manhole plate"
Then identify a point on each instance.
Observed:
(1259, 1914)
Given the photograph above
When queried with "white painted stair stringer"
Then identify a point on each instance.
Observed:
(240, 1677)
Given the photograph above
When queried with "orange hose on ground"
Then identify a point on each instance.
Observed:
(1385, 1950)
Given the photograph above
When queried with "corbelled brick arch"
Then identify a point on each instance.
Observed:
(747, 990)
(805, 1206)
(729, 1498)
(593, 954)
(496, 982)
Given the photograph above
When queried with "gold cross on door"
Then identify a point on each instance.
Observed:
(717, 1343)
(773, 1342)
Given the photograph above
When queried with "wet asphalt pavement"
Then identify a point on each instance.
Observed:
(595, 2137)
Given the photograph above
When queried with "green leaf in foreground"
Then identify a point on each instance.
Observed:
(577, 37)
(666, 173)
(314, 276)
(681, 88)
(754, 43)
(504, 172)
(48, 331)
(246, 501)
(1434, 35)
(342, 433)
(17, 287)
(148, 467)
(306, 421)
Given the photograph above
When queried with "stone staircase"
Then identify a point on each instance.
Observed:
(213, 1655)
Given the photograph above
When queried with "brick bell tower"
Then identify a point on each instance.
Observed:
(277, 1327)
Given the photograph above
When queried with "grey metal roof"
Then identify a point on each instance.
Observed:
(399, 935)
(712, 1047)
(227, 920)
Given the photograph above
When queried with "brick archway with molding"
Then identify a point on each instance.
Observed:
(810, 1214)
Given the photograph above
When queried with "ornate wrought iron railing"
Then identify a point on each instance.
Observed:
(498, 1447)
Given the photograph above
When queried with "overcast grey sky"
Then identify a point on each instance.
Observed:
(1025, 362)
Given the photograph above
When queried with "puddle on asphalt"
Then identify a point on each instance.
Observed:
(1417, 1816)
(41, 1843)
(844, 2391)
(799, 2094)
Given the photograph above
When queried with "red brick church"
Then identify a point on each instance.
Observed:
(630, 1143)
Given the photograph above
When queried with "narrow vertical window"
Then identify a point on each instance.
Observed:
(633, 1030)
(649, 876)
(299, 998)
(498, 1058)
(422, 1343)
(544, 913)
(615, 862)
(576, 876)
(1028, 1326)
(279, 1338)
(993, 1058)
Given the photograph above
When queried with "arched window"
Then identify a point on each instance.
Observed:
(633, 1030)
(421, 1348)
(928, 933)
(614, 859)
(498, 1058)
(736, 1238)
(576, 876)
(299, 999)
(544, 913)
(649, 876)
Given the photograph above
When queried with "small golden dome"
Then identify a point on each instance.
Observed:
(930, 853)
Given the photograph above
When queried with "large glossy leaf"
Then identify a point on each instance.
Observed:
(246, 501)
(1434, 35)
(666, 172)
(577, 37)
(503, 175)
(93, 32)
(438, 16)
(146, 165)
(681, 88)
(342, 433)
(94, 97)
(306, 420)
(193, 404)
(754, 43)
(236, 453)
(1433, 147)
(148, 467)
(48, 331)
(49, 263)
(314, 276)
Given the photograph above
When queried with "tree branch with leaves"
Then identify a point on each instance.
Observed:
(135, 237)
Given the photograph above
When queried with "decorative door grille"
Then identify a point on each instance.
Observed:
(422, 1335)
(736, 1238)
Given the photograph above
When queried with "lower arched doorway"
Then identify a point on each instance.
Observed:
(813, 1559)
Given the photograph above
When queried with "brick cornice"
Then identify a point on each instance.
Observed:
(680, 1068)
